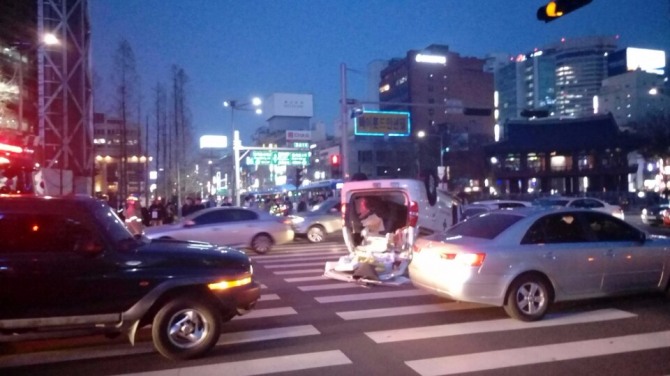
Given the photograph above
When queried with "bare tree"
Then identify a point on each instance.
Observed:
(124, 78)
(182, 144)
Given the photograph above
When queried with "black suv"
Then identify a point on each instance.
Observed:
(68, 266)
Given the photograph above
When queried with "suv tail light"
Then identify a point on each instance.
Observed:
(413, 213)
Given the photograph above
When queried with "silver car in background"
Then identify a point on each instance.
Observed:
(582, 203)
(231, 226)
(526, 259)
(323, 219)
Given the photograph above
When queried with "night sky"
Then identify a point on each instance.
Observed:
(239, 49)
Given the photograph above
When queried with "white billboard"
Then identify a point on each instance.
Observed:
(298, 135)
(213, 142)
(652, 61)
(287, 104)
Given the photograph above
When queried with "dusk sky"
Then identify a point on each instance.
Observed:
(240, 49)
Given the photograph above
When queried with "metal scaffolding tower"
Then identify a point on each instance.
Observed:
(65, 111)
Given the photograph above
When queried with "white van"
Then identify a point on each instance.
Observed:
(401, 203)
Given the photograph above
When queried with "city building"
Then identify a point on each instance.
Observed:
(449, 97)
(109, 162)
(564, 156)
(46, 106)
(634, 90)
(559, 80)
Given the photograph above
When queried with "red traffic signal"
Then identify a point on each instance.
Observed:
(335, 160)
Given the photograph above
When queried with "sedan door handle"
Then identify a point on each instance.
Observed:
(550, 256)
(609, 253)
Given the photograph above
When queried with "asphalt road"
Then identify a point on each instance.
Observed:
(306, 324)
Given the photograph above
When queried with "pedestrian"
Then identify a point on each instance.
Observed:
(133, 215)
(226, 201)
(157, 211)
(187, 208)
(211, 202)
(302, 205)
(198, 205)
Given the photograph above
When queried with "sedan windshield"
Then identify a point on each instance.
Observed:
(486, 226)
(551, 202)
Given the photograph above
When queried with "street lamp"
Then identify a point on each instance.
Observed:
(423, 134)
(441, 171)
(253, 105)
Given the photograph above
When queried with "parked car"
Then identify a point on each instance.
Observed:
(582, 202)
(323, 219)
(654, 215)
(479, 207)
(526, 259)
(69, 266)
(231, 226)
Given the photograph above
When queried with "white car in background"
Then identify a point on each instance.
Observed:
(581, 202)
(479, 207)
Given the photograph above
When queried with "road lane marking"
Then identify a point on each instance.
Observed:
(323, 258)
(266, 297)
(329, 286)
(456, 364)
(285, 363)
(267, 312)
(267, 334)
(273, 258)
(307, 279)
(409, 334)
(407, 310)
(303, 271)
(99, 352)
(370, 296)
(295, 265)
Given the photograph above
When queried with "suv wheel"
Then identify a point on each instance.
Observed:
(185, 328)
(316, 234)
(261, 244)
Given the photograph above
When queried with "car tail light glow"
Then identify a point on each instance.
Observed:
(469, 259)
(413, 213)
(222, 285)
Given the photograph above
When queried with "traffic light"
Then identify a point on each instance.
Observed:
(299, 176)
(558, 8)
(335, 166)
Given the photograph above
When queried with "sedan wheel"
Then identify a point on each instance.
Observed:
(528, 299)
(316, 234)
(261, 244)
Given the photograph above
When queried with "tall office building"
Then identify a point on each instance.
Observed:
(448, 96)
(559, 80)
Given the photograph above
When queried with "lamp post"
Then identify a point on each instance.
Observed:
(253, 105)
(423, 134)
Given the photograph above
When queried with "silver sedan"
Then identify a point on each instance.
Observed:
(526, 259)
(231, 226)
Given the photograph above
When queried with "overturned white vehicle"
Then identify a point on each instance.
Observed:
(382, 218)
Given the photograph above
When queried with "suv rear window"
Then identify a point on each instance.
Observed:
(486, 226)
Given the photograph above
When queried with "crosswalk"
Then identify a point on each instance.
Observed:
(416, 320)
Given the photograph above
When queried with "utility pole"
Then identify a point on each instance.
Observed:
(344, 116)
